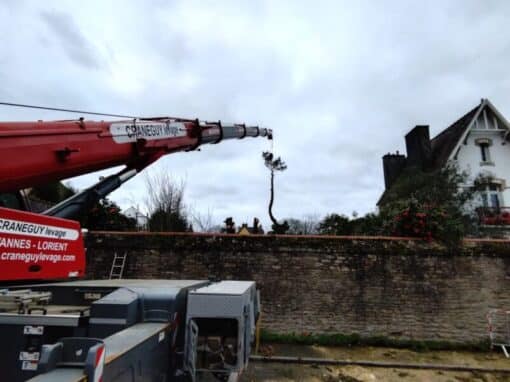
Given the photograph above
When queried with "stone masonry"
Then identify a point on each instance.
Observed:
(401, 289)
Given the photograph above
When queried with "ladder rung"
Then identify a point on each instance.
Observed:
(119, 261)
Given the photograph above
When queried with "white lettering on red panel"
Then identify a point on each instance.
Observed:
(123, 132)
(16, 227)
(35, 246)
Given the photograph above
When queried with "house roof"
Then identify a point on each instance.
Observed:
(443, 145)
(445, 142)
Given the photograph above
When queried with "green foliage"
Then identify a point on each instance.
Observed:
(106, 216)
(426, 220)
(52, 192)
(308, 225)
(230, 225)
(354, 339)
(310, 339)
(280, 228)
(335, 224)
(439, 187)
(168, 221)
(371, 224)
(428, 205)
(272, 163)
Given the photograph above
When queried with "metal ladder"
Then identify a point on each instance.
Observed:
(119, 261)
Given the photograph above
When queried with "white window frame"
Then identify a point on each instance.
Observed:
(484, 144)
(486, 195)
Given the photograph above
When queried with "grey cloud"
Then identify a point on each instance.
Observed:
(77, 47)
(340, 84)
(215, 188)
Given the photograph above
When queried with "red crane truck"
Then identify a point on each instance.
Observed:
(56, 327)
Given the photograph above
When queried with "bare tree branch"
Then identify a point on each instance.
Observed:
(164, 202)
(203, 222)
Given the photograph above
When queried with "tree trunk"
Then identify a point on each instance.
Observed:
(271, 200)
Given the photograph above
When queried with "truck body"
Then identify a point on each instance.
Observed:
(148, 330)
(56, 327)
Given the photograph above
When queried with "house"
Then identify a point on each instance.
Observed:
(142, 221)
(478, 143)
(254, 230)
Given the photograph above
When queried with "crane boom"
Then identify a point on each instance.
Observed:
(39, 152)
(104, 329)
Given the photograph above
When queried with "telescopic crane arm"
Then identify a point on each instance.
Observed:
(39, 152)
(102, 330)
(43, 247)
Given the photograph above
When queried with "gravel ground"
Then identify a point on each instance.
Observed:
(258, 371)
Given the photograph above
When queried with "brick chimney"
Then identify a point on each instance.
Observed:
(418, 147)
(393, 164)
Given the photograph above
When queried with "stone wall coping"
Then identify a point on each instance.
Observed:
(323, 237)
(236, 236)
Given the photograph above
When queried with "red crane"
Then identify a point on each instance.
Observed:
(39, 152)
(48, 246)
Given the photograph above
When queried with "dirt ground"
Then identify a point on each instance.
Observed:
(277, 372)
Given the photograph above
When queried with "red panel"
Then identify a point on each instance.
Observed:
(39, 247)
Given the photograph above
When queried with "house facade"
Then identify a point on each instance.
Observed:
(477, 143)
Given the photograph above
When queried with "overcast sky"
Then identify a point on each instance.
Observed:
(339, 82)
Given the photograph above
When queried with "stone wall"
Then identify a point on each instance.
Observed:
(400, 289)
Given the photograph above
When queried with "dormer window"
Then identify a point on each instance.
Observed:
(484, 144)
